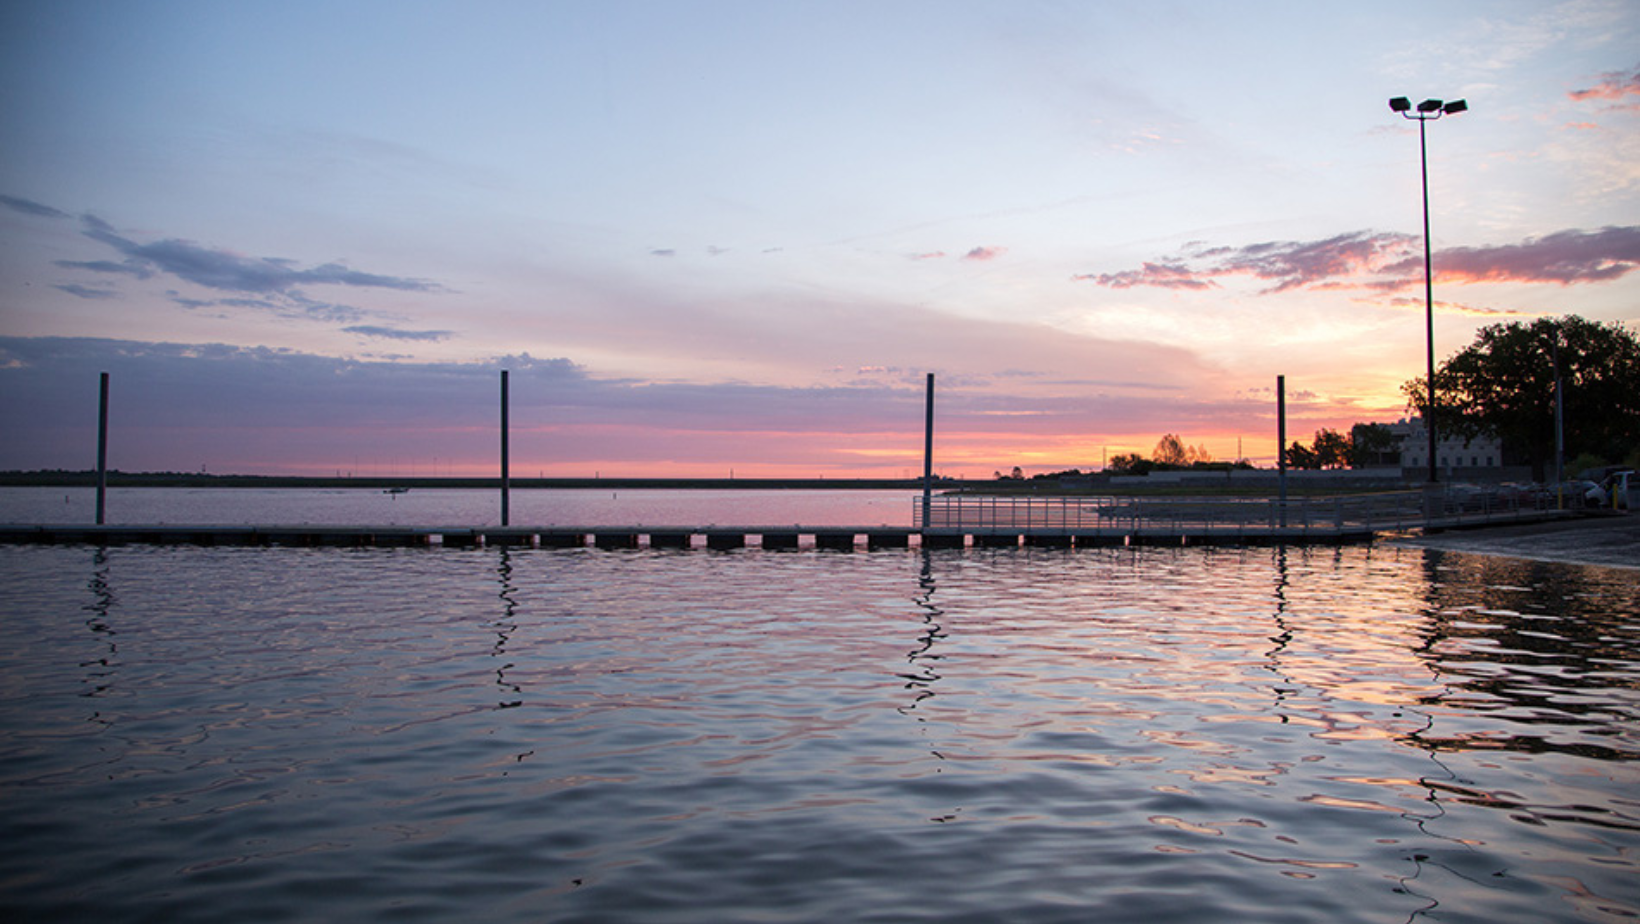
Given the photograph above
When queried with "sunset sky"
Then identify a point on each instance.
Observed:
(305, 237)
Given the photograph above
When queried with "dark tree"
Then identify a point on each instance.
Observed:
(1302, 456)
(1331, 448)
(1371, 444)
(1130, 463)
(1504, 383)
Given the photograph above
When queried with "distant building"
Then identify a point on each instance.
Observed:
(1451, 452)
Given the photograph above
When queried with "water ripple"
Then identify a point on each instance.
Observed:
(1120, 735)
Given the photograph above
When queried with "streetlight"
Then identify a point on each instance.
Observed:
(1428, 111)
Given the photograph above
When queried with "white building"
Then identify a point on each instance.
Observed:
(1451, 452)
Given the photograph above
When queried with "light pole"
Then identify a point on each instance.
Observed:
(1428, 110)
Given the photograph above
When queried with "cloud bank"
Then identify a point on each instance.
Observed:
(176, 407)
(1389, 262)
(271, 284)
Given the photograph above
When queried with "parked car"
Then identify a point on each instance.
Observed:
(1578, 492)
(1616, 491)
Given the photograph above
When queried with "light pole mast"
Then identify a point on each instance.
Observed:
(1428, 110)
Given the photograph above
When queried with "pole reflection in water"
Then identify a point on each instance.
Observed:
(1133, 736)
(504, 629)
(922, 658)
(1283, 637)
(100, 671)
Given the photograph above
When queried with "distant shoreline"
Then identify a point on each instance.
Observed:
(1098, 486)
(86, 479)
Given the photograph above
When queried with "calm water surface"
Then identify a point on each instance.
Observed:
(1340, 735)
(441, 507)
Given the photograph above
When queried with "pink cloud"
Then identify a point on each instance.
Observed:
(1286, 264)
(1618, 87)
(985, 253)
(1390, 262)
(1565, 257)
(931, 255)
(1158, 275)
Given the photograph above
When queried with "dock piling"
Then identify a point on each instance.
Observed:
(102, 449)
(506, 485)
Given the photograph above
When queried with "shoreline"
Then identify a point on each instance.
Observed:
(1603, 540)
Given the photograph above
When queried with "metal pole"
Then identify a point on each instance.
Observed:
(1560, 420)
(1281, 443)
(1429, 306)
(102, 449)
(506, 485)
(928, 453)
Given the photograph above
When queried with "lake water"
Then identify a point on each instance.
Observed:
(475, 507)
(1357, 734)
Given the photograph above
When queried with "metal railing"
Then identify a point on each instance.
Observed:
(1445, 506)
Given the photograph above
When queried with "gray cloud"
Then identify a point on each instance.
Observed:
(30, 207)
(87, 292)
(128, 268)
(230, 272)
(390, 333)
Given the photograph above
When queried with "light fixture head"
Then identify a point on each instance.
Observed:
(1400, 104)
(1455, 106)
(1429, 105)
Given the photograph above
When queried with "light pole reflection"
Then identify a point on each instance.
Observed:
(922, 676)
(504, 628)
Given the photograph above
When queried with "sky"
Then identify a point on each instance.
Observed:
(718, 237)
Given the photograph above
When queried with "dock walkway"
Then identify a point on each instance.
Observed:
(948, 521)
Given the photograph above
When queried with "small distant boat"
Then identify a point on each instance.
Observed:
(396, 491)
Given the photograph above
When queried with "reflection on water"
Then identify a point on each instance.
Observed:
(100, 671)
(1534, 644)
(922, 658)
(1352, 734)
(504, 628)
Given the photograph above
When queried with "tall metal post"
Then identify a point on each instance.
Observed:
(506, 481)
(1281, 443)
(102, 449)
(928, 453)
(1560, 418)
(1427, 111)
(1429, 306)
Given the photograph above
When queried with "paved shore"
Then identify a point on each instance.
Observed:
(1607, 540)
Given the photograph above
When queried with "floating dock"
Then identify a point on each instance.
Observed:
(718, 538)
(950, 522)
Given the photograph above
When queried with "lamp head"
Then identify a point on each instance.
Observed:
(1400, 104)
(1454, 107)
(1429, 105)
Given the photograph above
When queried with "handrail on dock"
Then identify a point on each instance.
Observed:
(948, 521)
(1435, 508)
